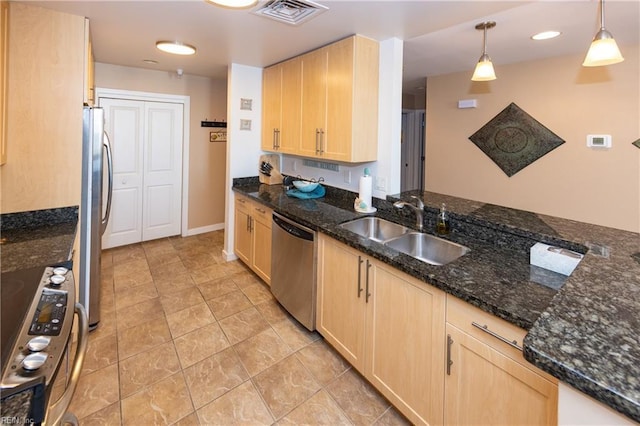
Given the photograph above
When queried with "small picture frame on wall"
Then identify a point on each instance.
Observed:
(245, 124)
(218, 136)
(246, 104)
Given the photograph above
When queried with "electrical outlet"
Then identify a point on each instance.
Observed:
(347, 176)
(381, 183)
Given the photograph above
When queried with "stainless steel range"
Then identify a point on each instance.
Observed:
(38, 308)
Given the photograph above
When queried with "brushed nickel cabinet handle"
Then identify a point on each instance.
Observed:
(359, 275)
(449, 362)
(317, 141)
(367, 294)
(485, 328)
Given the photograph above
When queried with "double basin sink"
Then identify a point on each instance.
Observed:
(421, 246)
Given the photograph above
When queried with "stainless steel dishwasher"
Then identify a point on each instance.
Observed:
(293, 269)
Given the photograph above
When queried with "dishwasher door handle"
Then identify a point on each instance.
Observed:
(292, 228)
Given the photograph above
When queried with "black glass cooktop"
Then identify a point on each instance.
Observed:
(18, 289)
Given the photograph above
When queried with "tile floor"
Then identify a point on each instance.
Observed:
(186, 338)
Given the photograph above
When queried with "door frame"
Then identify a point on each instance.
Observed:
(413, 138)
(168, 98)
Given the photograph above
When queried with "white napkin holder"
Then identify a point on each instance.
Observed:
(555, 259)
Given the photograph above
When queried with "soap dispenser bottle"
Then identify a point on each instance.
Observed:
(442, 224)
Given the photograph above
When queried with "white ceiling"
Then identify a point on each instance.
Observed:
(439, 35)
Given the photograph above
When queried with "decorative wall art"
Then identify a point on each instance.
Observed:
(636, 143)
(513, 139)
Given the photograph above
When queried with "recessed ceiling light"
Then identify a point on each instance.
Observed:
(546, 35)
(176, 47)
(150, 61)
(233, 4)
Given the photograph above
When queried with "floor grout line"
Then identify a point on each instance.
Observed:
(121, 259)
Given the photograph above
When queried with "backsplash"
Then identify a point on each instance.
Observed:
(502, 226)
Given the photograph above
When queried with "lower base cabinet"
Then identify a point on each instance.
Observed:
(488, 381)
(420, 348)
(388, 325)
(252, 236)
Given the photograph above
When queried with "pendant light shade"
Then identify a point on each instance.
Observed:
(603, 49)
(484, 68)
(233, 4)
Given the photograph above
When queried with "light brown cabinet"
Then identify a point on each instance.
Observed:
(89, 65)
(4, 52)
(488, 381)
(435, 357)
(340, 101)
(252, 236)
(44, 120)
(388, 325)
(332, 96)
(281, 86)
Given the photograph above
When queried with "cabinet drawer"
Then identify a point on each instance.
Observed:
(489, 329)
(243, 203)
(262, 214)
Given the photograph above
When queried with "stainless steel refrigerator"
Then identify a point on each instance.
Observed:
(95, 207)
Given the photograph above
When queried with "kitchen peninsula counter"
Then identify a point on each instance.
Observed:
(37, 238)
(582, 329)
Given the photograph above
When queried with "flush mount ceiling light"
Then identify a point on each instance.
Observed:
(176, 47)
(484, 68)
(545, 35)
(603, 49)
(233, 4)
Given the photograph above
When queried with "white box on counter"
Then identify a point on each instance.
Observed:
(555, 259)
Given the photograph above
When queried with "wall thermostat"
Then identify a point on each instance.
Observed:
(599, 141)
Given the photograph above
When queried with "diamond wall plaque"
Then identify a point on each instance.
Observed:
(636, 143)
(513, 139)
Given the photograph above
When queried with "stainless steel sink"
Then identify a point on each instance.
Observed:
(375, 229)
(427, 248)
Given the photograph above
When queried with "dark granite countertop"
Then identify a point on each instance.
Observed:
(582, 329)
(37, 238)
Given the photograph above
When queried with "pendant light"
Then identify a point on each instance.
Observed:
(233, 4)
(484, 68)
(603, 49)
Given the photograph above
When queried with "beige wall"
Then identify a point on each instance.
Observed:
(208, 99)
(572, 181)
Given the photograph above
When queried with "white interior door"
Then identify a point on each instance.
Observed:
(146, 139)
(162, 186)
(124, 124)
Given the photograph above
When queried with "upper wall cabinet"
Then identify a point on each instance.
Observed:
(281, 86)
(4, 52)
(46, 67)
(89, 79)
(336, 105)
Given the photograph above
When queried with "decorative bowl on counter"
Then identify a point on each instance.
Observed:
(305, 186)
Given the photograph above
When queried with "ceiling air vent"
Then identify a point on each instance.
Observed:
(292, 12)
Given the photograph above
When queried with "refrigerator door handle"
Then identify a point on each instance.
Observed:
(107, 213)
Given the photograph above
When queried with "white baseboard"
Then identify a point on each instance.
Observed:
(203, 229)
(228, 256)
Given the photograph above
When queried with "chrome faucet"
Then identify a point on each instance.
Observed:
(419, 209)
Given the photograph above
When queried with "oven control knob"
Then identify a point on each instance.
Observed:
(38, 343)
(34, 361)
(60, 270)
(56, 279)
